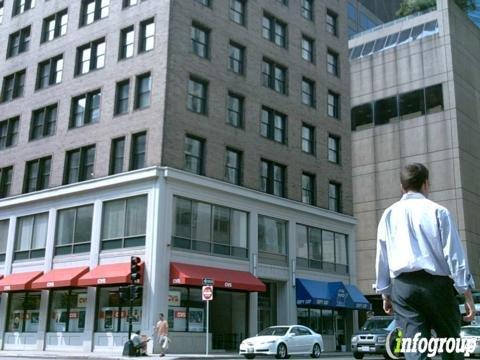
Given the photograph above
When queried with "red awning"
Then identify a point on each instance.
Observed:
(58, 278)
(19, 281)
(185, 274)
(109, 274)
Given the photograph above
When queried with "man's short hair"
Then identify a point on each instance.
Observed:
(413, 176)
(161, 314)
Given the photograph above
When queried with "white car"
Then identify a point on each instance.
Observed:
(283, 341)
(472, 331)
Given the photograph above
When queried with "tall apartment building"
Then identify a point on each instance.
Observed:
(415, 92)
(210, 138)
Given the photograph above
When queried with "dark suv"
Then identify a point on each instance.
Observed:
(371, 338)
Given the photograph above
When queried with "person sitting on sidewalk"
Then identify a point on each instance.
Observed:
(139, 343)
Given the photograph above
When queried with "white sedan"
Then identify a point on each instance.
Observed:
(283, 341)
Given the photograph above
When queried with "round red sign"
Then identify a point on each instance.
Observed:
(207, 293)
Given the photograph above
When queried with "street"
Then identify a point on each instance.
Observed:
(347, 356)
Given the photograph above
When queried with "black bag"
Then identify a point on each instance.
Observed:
(129, 349)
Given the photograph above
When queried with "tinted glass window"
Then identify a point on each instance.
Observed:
(404, 36)
(430, 28)
(379, 44)
(434, 98)
(416, 31)
(367, 49)
(357, 51)
(391, 40)
(385, 110)
(362, 115)
(412, 104)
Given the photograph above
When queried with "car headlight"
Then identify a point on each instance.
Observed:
(354, 339)
(381, 339)
(269, 342)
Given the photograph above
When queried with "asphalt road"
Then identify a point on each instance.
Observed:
(171, 357)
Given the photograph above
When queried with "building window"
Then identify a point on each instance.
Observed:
(49, 72)
(237, 11)
(90, 57)
(124, 223)
(308, 49)
(137, 151)
(412, 104)
(54, 26)
(272, 235)
(274, 76)
(307, 9)
(13, 86)
(18, 42)
(386, 110)
(334, 149)
(310, 243)
(332, 23)
(74, 230)
(85, 109)
(93, 10)
(79, 164)
(206, 3)
(5, 181)
(20, 6)
(273, 125)
(200, 40)
(9, 132)
(128, 3)
(147, 35)
(235, 110)
(308, 92)
(67, 310)
(194, 150)
(121, 97)
(4, 224)
(308, 189)
(1, 11)
(31, 236)
(434, 98)
(197, 96)
(308, 139)
(236, 58)
(210, 228)
(274, 30)
(362, 115)
(117, 153)
(37, 174)
(127, 39)
(23, 312)
(333, 105)
(233, 166)
(334, 197)
(143, 89)
(272, 178)
(332, 63)
(111, 311)
(43, 122)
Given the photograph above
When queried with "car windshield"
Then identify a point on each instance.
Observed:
(275, 331)
(372, 324)
(471, 331)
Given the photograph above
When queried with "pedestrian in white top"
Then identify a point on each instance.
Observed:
(420, 262)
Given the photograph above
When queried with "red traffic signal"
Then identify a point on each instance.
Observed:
(135, 269)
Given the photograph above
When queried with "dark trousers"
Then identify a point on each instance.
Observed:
(422, 302)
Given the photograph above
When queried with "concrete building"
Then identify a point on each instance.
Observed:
(415, 92)
(209, 138)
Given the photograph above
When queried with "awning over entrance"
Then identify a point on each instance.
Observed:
(109, 274)
(19, 281)
(193, 275)
(330, 294)
(58, 278)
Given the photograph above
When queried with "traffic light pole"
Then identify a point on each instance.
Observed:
(130, 310)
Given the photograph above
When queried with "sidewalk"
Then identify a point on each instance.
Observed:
(110, 356)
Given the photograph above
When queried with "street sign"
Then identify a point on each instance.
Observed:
(207, 293)
(207, 281)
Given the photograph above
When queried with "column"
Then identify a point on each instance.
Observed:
(253, 256)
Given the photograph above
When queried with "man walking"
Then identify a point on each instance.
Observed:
(161, 330)
(419, 258)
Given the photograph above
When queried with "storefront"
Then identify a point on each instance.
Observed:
(327, 308)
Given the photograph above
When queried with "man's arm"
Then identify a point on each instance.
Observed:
(456, 260)
(382, 269)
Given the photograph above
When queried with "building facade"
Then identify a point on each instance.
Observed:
(414, 98)
(209, 138)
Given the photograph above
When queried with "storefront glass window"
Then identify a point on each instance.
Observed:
(186, 310)
(209, 228)
(267, 306)
(23, 312)
(112, 311)
(67, 310)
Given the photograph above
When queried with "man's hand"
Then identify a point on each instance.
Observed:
(469, 306)
(387, 304)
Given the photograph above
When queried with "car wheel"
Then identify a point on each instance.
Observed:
(249, 356)
(357, 355)
(282, 352)
(316, 351)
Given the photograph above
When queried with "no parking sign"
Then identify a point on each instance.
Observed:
(207, 293)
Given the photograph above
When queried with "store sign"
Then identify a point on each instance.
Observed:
(174, 298)
(6, 287)
(101, 281)
(82, 300)
(51, 284)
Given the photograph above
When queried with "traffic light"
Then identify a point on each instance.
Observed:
(135, 269)
(124, 293)
(137, 292)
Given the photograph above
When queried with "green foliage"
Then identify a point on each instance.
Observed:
(408, 7)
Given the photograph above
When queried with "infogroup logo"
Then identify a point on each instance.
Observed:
(396, 345)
